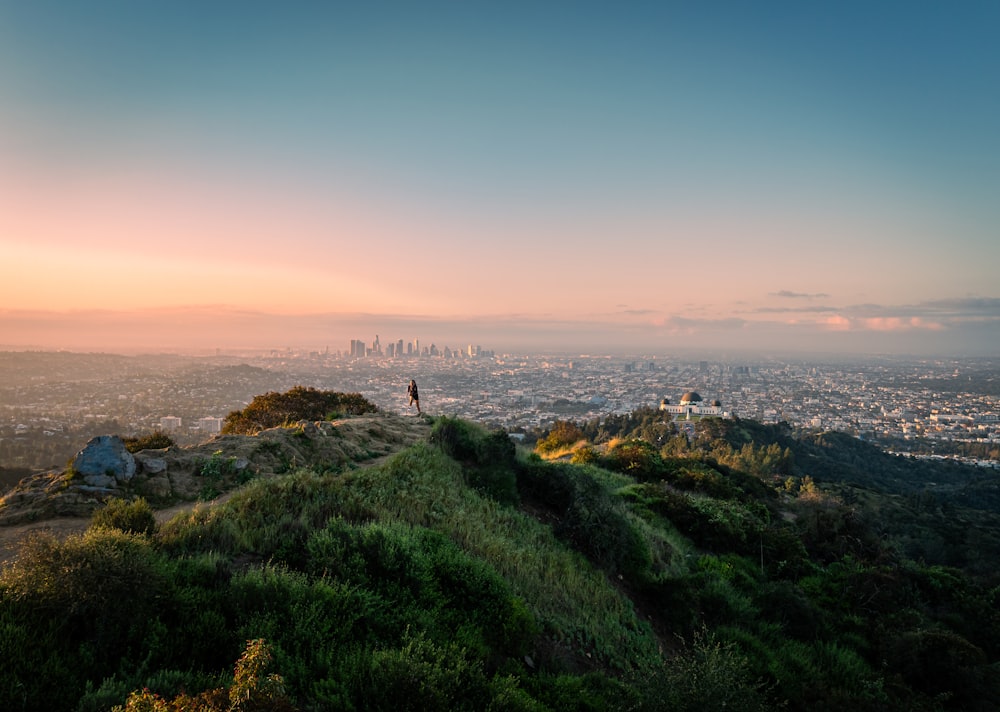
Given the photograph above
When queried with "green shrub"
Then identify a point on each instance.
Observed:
(592, 692)
(588, 516)
(709, 675)
(635, 458)
(89, 602)
(273, 409)
(421, 675)
(155, 440)
(135, 517)
(487, 457)
(714, 524)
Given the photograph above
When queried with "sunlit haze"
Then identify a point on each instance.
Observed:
(575, 175)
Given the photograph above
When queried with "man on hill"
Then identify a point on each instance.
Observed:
(411, 391)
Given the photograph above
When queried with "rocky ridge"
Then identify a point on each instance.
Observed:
(176, 477)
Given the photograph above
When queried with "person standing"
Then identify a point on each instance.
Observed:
(414, 395)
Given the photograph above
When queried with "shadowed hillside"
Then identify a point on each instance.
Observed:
(429, 564)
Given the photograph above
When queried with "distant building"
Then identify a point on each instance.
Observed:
(691, 404)
(170, 422)
(210, 425)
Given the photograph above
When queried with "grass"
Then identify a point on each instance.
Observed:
(423, 488)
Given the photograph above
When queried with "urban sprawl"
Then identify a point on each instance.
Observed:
(879, 398)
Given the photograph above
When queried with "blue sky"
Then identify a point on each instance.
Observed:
(750, 175)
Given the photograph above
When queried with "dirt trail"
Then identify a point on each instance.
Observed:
(12, 536)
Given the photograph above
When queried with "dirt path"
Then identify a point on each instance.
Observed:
(12, 536)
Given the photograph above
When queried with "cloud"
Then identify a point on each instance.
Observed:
(969, 306)
(680, 323)
(929, 316)
(799, 295)
(899, 324)
(836, 323)
(817, 309)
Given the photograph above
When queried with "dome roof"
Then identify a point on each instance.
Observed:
(691, 397)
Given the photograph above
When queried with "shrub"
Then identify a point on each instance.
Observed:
(273, 409)
(86, 604)
(421, 675)
(562, 435)
(253, 690)
(709, 675)
(487, 457)
(155, 440)
(636, 458)
(589, 517)
(715, 524)
(135, 517)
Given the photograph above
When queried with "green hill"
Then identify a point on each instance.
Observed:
(460, 573)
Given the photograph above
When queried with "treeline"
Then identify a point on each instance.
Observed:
(928, 446)
(942, 512)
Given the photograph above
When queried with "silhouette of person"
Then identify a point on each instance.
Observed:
(411, 391)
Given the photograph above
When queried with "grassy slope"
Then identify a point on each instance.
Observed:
(405, 585)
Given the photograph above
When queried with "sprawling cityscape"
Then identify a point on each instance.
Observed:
(52, 402)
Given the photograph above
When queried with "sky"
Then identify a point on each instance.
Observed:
(578, 176)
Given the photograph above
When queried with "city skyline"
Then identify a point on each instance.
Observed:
(571, 176)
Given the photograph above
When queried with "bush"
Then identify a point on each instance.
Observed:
(564, 434)
(135, 517)
(421, 675)
(714, 524)
(253, 690)
(589, 517)
(707, 676)
(636, 458)
(155, 440)
(488, 457)
(77, 608)
(273, 409)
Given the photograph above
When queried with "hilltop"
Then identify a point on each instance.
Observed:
(381, 562)
(176, 478)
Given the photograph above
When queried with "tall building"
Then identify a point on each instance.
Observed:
(170, 422)
(210, 425)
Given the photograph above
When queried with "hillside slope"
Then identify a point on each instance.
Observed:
(58, 501)
(428, 564)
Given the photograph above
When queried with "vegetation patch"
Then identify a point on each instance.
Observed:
(461, 573)
(273, 409)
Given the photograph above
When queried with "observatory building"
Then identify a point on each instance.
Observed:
(693, 405)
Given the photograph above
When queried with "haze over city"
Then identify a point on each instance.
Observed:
(569, 176)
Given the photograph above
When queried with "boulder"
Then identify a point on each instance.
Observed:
(152, 465)
(158, 487)
(100, 481)
(104, 457)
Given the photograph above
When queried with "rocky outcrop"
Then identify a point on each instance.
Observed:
(105, 462)
(105, 469)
